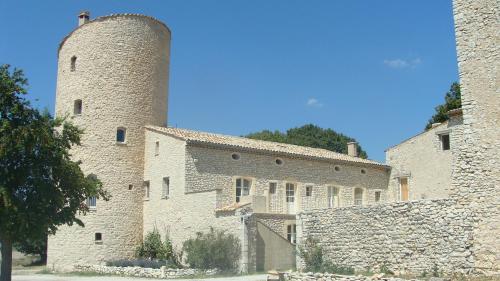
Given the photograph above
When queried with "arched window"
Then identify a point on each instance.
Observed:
(73, 63)
(242, 188)
(121, 135)
(77, 107)
(358, 196)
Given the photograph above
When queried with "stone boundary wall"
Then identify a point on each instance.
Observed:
(135, 271)
(310, 276)
(405, 237)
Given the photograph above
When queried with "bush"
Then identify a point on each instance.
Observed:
(214, 249)
(312, 255)
(153, 248)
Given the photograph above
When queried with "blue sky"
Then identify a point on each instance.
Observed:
(373, 70)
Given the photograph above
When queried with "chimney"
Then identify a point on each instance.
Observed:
(83, 17)
(352, 149)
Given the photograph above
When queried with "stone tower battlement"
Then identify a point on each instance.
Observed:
(112, 81)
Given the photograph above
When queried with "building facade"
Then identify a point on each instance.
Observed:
(422, 165)
(113, 82)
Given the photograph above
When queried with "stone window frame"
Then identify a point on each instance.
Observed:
(251, 188)
(146, 185)
(157, 147)
(72, 67)
(77, 107)
(165, 188)
(339, 191)
(124, 142)
(379, 191)
(291, 232)
(363, 195)
(440, 135)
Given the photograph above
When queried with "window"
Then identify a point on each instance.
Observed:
(130, 186)
(336, 168)
(146, 189)
(272, 188)
(165, 188)
(120, 135)
(377, 196)
(92, 202)
(290, 192)
(291, 233)
(404, 189)
(363, 171)
(235, 156)
(157, 148)
(242, 188)
(333, 197)
(309, 190)
(358, 196)
(77, 107)
(73, 63)
(445, 141)
(279, 161)
(98, 237)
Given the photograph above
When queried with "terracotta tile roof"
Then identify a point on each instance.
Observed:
(217, 140)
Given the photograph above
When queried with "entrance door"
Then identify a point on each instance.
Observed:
(290, 198)
(403, 182)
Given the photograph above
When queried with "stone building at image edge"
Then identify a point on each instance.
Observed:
(113, 82)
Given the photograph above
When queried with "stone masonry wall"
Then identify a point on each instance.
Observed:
(182, 214)
(121, 77)
(214, 169)
(406, 237)
(427, 166)
(476, 172)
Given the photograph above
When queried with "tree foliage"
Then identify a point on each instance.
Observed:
(40, 187)
(312, 136)
(452, 100)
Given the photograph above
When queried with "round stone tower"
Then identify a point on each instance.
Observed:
(112, 80)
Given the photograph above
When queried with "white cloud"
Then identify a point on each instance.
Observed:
(402, 63)
(312, 102)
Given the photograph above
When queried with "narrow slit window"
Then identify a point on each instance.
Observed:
(146, 189)
(272, 188)
(121, 135)
(157, 148)
(77, 107)
(377, 196)
(73, 63)
(445, 142)
(166, 188)
(309, 190)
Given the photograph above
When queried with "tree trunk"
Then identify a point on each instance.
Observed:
(6, 269)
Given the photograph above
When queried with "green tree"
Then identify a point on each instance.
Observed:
(312, 136)
(40, 187)
(452, 100)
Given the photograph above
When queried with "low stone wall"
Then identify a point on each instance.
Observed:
(297, 276)
(160, 273)
(405, 237)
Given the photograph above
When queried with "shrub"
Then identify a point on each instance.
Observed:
(214, 249)
(312, 255)
(153, 248)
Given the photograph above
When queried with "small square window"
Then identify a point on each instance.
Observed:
(445, 141)
(272, 188)
(77, 107)
(98, 237)
(120, 135)
(309, 190)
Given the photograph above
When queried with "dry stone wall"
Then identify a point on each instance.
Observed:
(405, 237)
(476, 173)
